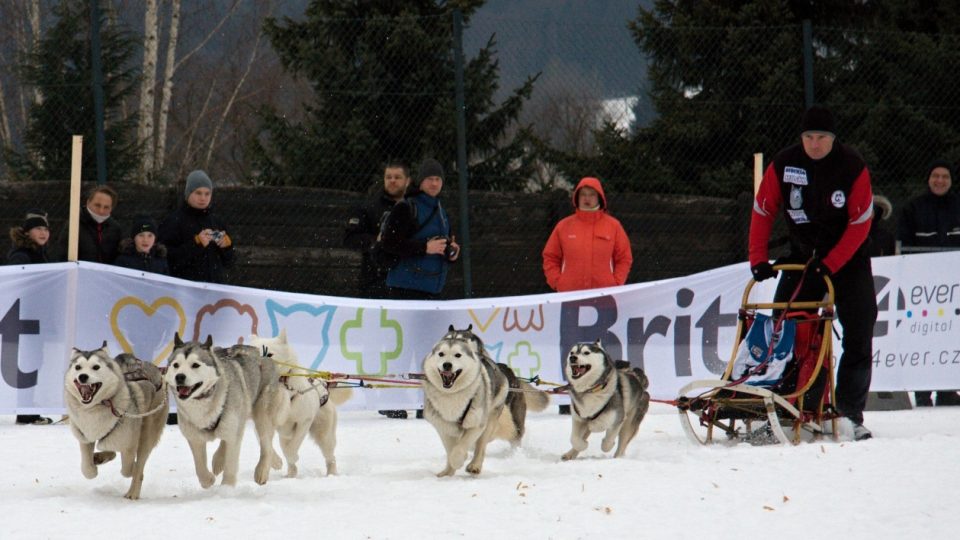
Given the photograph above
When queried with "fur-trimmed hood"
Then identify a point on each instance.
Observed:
(20, 239)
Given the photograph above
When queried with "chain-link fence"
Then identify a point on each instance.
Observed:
(294, 117)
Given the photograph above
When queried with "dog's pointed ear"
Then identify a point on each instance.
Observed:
(209, 342)
(450, 329)
(177, 342)
(597, 343)
(469, 327)
(104, 346)
(282, 336)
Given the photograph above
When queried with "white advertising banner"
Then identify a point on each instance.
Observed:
(677, 330)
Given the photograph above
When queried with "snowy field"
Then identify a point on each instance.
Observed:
(904, 483)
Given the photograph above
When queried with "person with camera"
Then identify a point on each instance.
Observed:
(199, 248)
(418, 231)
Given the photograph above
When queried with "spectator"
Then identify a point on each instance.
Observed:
(882, 242)
(931, 222)
(99, 233)
(829, 205)
(30, 247)
(364, 225)
(141, 251)
(199, 248)
(419, 232)
(589, 249)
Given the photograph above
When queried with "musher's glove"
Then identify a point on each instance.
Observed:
(763, 271)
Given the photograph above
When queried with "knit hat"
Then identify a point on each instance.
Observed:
(143, 224)
(819, 119)
(35, 218)
(429, 167)
(939, 163)
(195, 180)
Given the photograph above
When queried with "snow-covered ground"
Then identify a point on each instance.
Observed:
(904, 483)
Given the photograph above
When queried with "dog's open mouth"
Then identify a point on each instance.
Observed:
(87, 391)
(449, 377)
(579, 370)
(183, 392)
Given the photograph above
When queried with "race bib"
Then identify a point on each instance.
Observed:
(798, 216)
(795, 175)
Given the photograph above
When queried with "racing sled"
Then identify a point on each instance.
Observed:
(778, 385)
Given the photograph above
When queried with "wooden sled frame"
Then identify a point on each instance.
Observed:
(719, 404)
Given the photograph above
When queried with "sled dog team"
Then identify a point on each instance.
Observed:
(119, 405)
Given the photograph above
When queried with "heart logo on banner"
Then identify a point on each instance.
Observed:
(242, 309)
(149, 310)
(275, 311)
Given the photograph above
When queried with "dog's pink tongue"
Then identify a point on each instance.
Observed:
(86, 391)
(184, 391)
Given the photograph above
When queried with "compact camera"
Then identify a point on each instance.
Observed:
(216, 236)
(450, 251)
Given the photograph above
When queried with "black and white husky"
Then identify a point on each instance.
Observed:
(116, 405)
(217, 390)
(605, 396)
(471, 400)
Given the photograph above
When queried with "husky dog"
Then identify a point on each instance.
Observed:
(605, 396)
(312, 404)
(468, 399)
(118, 405)
(217, 390)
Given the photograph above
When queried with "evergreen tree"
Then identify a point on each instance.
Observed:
(383, 75)
(726, 79)
(60, 70)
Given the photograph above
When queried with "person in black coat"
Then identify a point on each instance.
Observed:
(931, 222)
(363, 227)
(141, 251)
(99, 234)
(199, 248)
(30, 247)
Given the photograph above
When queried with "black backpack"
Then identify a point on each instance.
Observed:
(380, 256)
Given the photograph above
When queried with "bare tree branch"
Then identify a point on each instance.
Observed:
(167, 92)
(233, 97)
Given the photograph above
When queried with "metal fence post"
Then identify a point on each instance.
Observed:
(97, 78)
(808, 63)
(462, 153)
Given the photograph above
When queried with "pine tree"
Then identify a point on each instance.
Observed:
(383, 76)
(60, 69)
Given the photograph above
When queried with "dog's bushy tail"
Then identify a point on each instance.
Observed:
(340, 394)
(537, 400)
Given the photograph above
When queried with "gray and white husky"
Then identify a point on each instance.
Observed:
(313, 406)
(116, 405)
(469, 399)
(217, 390)
(605, 396)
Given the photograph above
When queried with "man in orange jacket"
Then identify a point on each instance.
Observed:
(589, 249)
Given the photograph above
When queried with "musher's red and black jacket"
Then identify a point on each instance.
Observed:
(828, 205)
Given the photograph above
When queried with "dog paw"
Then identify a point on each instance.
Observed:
(291, 471)
(446, 472)
(276, 461)
(332, 468)
(474, 469)
(100, 458)
(206, 479)
(132, 495)
(607, 445)
(261, 473)
(229, 480)
(569, 455)
(89, 471)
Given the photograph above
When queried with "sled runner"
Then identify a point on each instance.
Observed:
(778, 385)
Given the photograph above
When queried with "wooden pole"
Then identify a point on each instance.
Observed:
(74, 224)
(757, 171)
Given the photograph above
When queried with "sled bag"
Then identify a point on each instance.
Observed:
(753, 350)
